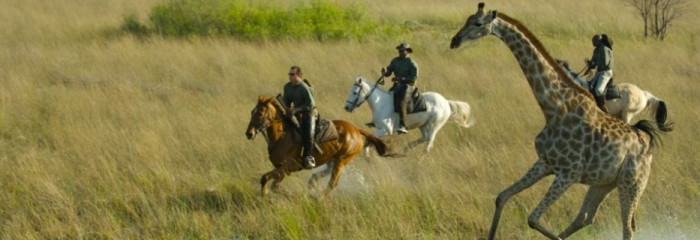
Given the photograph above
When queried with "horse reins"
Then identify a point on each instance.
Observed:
(262, 128)
(358, 84)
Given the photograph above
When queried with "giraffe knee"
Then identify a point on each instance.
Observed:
(501, 200)
(532, 223)
(264, 179)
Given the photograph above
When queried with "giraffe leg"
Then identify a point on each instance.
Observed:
(586, 216)
(536, 172)
(558, 187)
(631, 185)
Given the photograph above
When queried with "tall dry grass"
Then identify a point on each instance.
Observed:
(118, 137)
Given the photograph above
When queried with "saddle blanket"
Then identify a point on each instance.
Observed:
(417, 103)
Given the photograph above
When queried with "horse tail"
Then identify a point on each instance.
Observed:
(461, 113)
(658, 106)
(647, 127)
(382, 147)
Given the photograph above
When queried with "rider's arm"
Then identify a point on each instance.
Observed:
(309, 104)
(413, 72)
(391, 68)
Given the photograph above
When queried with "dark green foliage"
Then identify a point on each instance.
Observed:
(132, 25)
(318, 19)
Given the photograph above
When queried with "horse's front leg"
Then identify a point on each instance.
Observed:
(414, 143)
(277, 175)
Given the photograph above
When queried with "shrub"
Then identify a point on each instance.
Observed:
(132, 25)
(317, 19)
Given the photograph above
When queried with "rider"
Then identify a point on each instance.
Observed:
(299, 97)
(602, 61)
(405, 72)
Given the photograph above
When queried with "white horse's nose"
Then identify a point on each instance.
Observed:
(348, 108)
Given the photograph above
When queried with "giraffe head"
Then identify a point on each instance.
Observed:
(477, 26)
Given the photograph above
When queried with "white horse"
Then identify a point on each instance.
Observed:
(633, 101)
(438, 111)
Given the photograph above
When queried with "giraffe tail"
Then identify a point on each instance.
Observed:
(647, 127)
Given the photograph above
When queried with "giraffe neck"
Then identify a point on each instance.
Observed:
(555, 93)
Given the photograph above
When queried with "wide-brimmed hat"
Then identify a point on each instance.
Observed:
(404, 46)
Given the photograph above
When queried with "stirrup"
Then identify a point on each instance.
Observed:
(309, 162)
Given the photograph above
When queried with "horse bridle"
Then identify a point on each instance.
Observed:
(359, 84)
(265, 124)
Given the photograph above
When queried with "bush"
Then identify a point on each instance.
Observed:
(317, 19)
(132, 25)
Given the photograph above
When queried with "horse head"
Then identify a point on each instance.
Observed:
(357, 95)
(573, 75)
(265, 112)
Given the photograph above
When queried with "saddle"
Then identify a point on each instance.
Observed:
(416, 102)
(325, 131)
(611, 90)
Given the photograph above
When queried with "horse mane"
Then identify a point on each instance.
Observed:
(279, 104)
(372, 84)
(542, 50)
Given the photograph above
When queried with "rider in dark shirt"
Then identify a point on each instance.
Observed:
(405, 72)
(299, 97)
(602, 61)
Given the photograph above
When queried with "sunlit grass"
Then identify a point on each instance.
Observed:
(123, 137)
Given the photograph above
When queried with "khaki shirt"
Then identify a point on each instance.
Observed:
(404, 68)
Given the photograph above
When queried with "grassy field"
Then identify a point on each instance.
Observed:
(106, 136)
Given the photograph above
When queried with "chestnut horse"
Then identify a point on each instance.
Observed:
(269, 117)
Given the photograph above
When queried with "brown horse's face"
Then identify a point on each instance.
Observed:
(261, 117)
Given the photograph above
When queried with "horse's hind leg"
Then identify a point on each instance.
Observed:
(316, 176)
(423, 138)
(426, 136)
(336, 170)
(414, 143)
(430, 131)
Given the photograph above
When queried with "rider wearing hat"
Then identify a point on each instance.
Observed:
(405, 72)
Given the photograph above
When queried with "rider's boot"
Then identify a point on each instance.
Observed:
(600, 102)
(308, 132)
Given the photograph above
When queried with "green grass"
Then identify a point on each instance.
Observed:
(319, 20)
(105, 136)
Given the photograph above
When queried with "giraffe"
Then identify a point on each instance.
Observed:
(579, 143)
